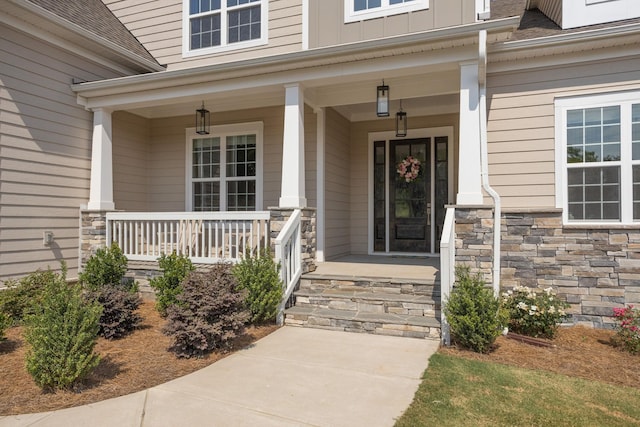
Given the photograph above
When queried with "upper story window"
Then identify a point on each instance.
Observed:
(210, 26)
(599, 172)
(359, 10)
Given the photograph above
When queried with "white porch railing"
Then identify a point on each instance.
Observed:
(289, 255)
(447, 268)
(205, 237)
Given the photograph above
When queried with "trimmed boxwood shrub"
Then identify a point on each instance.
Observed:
(106, 267)
(62, 334)
(175, 268)
(103, 281)
(20, 298)
(258, 274)
(475, 316)
(209, 313)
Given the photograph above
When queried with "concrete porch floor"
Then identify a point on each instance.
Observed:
(378, 266)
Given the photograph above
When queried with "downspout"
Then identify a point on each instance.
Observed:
(484, 160)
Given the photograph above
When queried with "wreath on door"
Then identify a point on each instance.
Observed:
(409, 168)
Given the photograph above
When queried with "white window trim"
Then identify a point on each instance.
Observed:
(223, 131)
(562, 105)
(224, 46)
(385, 9)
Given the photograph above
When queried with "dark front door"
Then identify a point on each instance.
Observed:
(410, 195)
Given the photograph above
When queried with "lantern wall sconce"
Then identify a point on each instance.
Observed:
(382, 100)
(203, 120)
(401, 123)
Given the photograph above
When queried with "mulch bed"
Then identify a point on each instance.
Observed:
(576, 351)
(128, 365)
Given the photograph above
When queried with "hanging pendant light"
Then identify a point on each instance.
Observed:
(382, 100)
(401, 123)
(203, 120)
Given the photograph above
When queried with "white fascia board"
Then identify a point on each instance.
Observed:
(563, 49)
(564, 39)
(84, 36)
(299, 60)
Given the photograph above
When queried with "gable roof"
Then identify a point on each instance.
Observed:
(535, 24)
(95, 17)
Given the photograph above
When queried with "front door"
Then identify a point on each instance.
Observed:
(410, 191)
(409, 196)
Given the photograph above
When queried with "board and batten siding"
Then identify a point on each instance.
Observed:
(45, 151)
(337, 172)
(327, 26)
(359, 167)
(521, 123)
(158, 26)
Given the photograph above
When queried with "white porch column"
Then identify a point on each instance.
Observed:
(101, 186)
(292, 193)
(320, 213)
(469, 179)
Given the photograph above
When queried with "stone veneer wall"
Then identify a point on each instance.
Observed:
(280, 216)
(93, 233)
(594, 269)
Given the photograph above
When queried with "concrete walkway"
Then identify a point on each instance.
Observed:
(293, 377)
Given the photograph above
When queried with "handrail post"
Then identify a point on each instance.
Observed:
(447, 270)
(288, 255)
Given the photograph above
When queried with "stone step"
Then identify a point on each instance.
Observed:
(371, 284)
(371, 302)
(364, 322)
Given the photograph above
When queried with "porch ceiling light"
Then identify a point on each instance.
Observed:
(203, 120)
(382, 100)
(401, 123)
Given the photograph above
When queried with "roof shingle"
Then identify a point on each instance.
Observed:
(94, 16)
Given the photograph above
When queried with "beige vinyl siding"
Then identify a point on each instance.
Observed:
(338, 165)
(327, 26)
(359, 204)
(167, 155)
(158, 26)
(45, 150)
(131, 136)
(521, 124)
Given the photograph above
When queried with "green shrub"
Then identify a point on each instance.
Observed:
(210, 312)
(536, 314)
(106, 267)
(5, 322)
(62, 334)
(258, 274)
(175, 268)
(118, 316)
(474, 314)
(21, 297)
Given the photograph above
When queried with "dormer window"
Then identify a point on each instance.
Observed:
(360, 10)
(210, 26)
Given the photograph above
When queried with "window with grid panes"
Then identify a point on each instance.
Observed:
(211, 24)
(224, 171)
(356, 10)
(602, 159)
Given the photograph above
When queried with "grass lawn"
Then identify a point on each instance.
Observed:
(462, 392)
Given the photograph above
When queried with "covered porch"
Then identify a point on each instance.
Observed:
(294, 133)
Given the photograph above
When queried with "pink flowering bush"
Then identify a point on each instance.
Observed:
(628, 329)
(534, 312)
